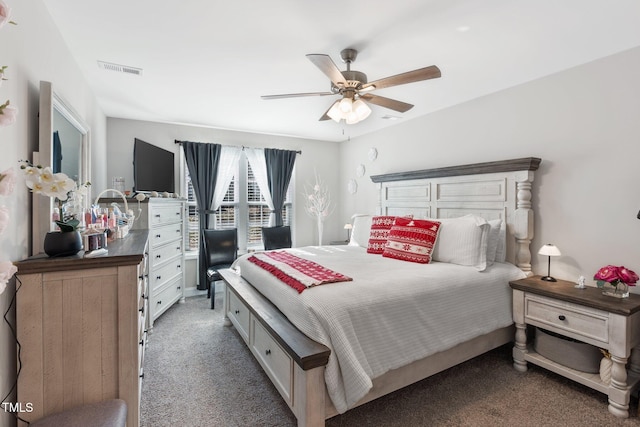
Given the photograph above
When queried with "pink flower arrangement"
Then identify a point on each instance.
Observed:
(7, 270)
(616, 275)
(5, 14)
(7, 182)
(8, 114)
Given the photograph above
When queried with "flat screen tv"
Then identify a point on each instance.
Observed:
(153, 168)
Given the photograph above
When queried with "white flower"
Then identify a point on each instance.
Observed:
(7, 270)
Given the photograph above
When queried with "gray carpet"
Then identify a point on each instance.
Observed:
(200, 373)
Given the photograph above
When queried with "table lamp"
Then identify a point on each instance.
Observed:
(348, 227)
(549, 250)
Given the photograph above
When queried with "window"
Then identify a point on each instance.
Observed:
(243, 207)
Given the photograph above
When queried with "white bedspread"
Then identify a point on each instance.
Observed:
(391, 314)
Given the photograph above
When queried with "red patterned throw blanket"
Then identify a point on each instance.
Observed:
(296, 272)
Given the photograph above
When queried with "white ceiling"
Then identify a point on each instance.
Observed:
(207, 62)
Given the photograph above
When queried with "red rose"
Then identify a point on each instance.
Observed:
(627, 276)
(608, 273)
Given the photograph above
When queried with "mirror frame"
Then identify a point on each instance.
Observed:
(43, 206)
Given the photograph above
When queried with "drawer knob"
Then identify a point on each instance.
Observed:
(561, 317)
(158, 256)
(267, 352)
(158, 277)
(157, 236)
(141, 342)
(142, 375)
(237, 311)
(159, 302)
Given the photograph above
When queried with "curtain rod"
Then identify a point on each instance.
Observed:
(242, 146)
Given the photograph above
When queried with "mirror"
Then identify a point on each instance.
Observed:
(63, 144)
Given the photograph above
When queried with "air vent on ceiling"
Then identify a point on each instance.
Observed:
(120, 68)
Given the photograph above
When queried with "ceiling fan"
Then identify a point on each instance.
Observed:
(355, 90)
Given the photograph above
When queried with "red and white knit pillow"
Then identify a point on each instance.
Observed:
(412, 240)
(380, 226)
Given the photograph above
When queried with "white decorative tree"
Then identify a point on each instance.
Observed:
(318, 204)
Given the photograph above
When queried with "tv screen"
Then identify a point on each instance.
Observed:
(152, 168)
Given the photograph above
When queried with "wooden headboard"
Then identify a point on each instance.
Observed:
(491, 190)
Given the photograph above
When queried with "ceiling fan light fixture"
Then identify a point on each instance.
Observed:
(352, 118)
(361, 109)
(334, 112)
(346, 105)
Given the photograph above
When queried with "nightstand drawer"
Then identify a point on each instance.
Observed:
(578, 321)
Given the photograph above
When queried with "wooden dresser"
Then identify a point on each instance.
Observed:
(81, 326)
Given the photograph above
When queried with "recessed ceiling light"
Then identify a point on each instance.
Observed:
(388, 117)
(463, 28)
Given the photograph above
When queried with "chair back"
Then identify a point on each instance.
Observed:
(276, 237)
(221, 246)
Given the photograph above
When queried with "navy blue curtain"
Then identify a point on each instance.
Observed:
(202, 161)
(279, 169)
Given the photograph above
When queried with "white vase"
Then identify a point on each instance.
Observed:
(320, 226)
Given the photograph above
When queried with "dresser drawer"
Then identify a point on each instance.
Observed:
(576, 320)
(275, 361)
(166, 214)
(164, 297)
(165, 233)
(166, 272)
(163, 253)
(239, 315)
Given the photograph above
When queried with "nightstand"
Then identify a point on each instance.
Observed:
(585, 315)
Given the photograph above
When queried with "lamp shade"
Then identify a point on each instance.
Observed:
(549, 250)
(348, 226)
(334, 112)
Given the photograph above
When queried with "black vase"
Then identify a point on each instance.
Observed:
(58, 243)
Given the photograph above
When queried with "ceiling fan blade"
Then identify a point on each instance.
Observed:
(426, 73)
(296, 95)
(389, 103)
(325, 116)
(328, 67)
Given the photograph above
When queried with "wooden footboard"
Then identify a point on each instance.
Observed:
(295, 364)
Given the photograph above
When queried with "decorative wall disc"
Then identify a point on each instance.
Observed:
(373, 154)
(360, 170)
(352, 186)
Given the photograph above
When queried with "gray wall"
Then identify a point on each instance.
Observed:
(583, 123)
(34, 50)
(317, 156)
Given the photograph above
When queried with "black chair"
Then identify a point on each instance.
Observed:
(276, 237)
(221, 250)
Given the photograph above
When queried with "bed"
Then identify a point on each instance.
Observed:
(333, 347)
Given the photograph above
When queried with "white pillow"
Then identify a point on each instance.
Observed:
(463, 241)
(501, 251)
(361, 230)
(493, 240)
